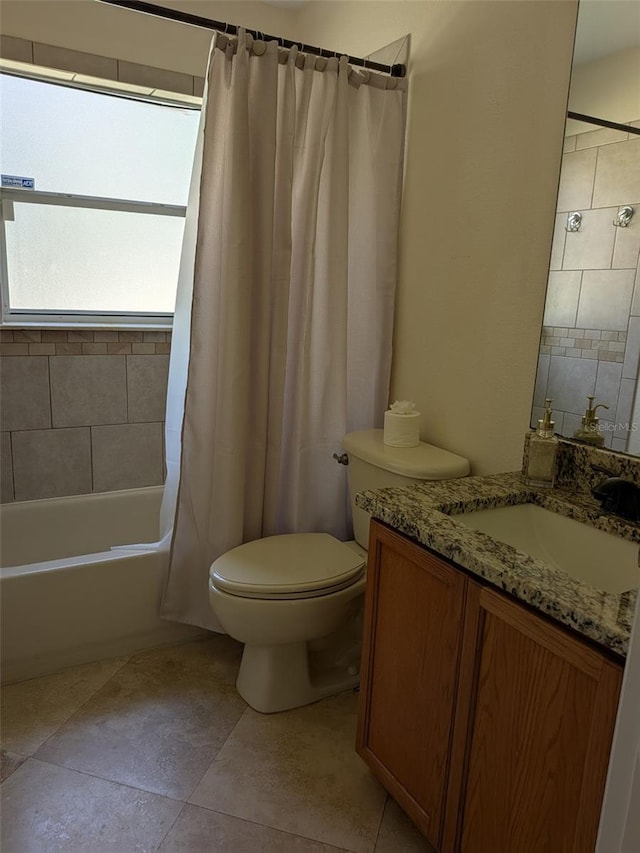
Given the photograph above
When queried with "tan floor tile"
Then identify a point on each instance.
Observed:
(9, 761)
(48, 808)
(398, 834)
(33, 710)
(298, 772)
(158, 723)
(202, 831)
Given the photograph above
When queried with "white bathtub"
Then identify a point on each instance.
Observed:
(65, 597)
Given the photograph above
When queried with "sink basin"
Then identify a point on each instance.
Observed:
(597, 558)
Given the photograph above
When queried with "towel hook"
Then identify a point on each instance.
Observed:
(624, 216)
(574, 221)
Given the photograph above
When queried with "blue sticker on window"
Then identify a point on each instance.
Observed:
(18, 182)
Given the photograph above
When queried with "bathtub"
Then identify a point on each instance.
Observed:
(65, 597)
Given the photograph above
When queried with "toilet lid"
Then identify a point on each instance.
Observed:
(293, 563)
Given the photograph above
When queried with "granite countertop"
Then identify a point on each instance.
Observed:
(426, 513)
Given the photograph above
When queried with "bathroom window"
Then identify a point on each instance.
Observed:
(94, 194)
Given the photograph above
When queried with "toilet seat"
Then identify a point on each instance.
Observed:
(291, 565)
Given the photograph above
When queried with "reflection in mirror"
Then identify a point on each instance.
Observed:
(590, 343)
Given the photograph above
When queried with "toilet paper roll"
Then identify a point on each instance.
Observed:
(401, 430)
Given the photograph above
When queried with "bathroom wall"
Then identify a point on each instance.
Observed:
(591, 334)
(487, 100)
(82, 411)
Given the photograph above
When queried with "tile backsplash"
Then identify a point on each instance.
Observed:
(82, 411)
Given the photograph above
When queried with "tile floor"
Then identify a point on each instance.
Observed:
(159, 752)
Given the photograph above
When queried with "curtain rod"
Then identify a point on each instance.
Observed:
(232, 29)
(603, 122)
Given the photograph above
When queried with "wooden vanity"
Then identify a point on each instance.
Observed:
(487, 721)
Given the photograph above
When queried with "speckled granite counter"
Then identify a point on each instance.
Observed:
(426, 513)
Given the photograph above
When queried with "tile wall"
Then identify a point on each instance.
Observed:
(591, 337)
(82, 411)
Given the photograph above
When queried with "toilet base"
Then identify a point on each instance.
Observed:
(276, 678)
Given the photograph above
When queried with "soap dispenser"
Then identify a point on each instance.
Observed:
(543, 450)
(589, 431)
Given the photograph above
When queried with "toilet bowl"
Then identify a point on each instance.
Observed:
(295, 600)
(278, 594)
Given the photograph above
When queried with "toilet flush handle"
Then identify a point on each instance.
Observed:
(343, 459)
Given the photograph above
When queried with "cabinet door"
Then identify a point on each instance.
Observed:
(413, 628)
(541, 713)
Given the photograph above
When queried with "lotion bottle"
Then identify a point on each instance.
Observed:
(543, 450)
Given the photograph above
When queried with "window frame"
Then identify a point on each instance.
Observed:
(15, 318)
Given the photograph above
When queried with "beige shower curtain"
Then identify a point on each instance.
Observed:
(289, 293)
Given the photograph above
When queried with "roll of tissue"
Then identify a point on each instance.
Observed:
(402, 425)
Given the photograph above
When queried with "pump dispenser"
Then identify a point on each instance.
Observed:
(543, 450)
(588, 431)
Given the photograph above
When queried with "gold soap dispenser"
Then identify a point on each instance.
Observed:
(543, 450)
(589, 431)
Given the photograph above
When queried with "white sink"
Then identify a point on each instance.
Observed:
(597, 558)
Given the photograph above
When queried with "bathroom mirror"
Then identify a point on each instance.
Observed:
(590, 342)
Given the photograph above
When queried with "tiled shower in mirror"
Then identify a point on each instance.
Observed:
(591, 329)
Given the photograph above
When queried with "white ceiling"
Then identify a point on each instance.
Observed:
(606, 26)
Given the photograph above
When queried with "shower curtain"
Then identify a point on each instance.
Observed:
(282, 333)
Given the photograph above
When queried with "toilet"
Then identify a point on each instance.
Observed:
(295, 600)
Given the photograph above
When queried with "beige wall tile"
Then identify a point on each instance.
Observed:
(56, 336)
(591, 248)
(617, 177)
(559, 237)
(19, 50)
(94, 349)
(24, 391)
(27, 336)
(105, 336)
(14, 349)
(570, 381)
(42, 349)
(608, 387)
(88, 390)
(569, 144)
(576, 180)
(119, 348)
(147, 387)
(127, 456)
(627, 245)
(605, 299)
(143, 348)
(632, 352)
(69, 349)
(75, 60)
(563, 291)
(158, 78)
(625, 401)
(51, 462)
(6, 469)
(605, 136)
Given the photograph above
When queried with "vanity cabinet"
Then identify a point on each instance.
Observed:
(488, 723)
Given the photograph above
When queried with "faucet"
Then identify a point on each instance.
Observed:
(617, 495)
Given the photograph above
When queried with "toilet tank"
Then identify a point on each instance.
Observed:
(375, 465)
